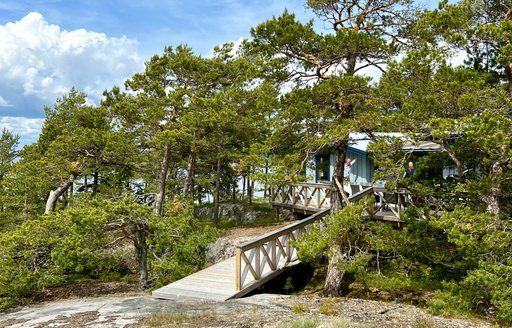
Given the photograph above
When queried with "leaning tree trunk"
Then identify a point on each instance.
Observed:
(341, 153)
(334, 280)
(160, 193)
(55, 194)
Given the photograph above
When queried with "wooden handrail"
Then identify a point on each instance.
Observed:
(361, 194)
(271, 252)
(309, 197)
(273, 249)
(279, 232)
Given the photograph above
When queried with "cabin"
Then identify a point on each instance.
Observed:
(315, 194)
(320, 167)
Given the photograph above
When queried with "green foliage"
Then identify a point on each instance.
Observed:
(289, 93)
(328, 305)
(299, 308)
(45, 251)
(86, 241)
(178, 241)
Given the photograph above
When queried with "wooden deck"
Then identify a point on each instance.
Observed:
(309, 198)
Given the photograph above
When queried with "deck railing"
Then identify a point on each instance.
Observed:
(312, 197)
(271, 252)
(309, 197)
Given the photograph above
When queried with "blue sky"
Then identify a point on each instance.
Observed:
(47, 47)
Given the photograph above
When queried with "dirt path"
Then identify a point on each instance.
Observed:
(235, 233)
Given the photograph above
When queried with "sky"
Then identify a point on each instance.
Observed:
(49, 46)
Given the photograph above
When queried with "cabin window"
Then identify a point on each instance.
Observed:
(323, 167)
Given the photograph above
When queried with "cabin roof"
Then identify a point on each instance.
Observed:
(359, 142)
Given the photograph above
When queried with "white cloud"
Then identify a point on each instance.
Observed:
(3, 102)
(45, 61)
(27, 128)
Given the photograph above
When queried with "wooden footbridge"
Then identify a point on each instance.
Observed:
(259, 260)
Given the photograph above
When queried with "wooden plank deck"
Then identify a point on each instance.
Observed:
(216, 283)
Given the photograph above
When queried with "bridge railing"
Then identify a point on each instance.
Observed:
(304, 196)
(271, 252)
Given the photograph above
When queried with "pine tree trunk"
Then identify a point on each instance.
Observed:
(55, 194)
(217, 193)
(190, 174)
(265, 187)
(95, 183)
(243, 187)
(234, 192)
(141, 250)
(492, 198)
(249, 190)
(160, 193)
(508, 73)
(492, 201)
(251, 193)
(341, 154)
(334, 280)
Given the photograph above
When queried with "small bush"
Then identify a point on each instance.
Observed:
(8, 302)
(300, 308)
(328, 306)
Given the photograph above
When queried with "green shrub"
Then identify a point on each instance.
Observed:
(96, 239)
(328, 306)
(299, 308)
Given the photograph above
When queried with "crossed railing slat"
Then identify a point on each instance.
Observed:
(270, 252)
(312, 196)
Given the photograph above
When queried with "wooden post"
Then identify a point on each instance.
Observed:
(399, 210)
(288, 248)
(318, 202)
(293, 194)
(273, 255)
(238, 269)
(257, 266)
